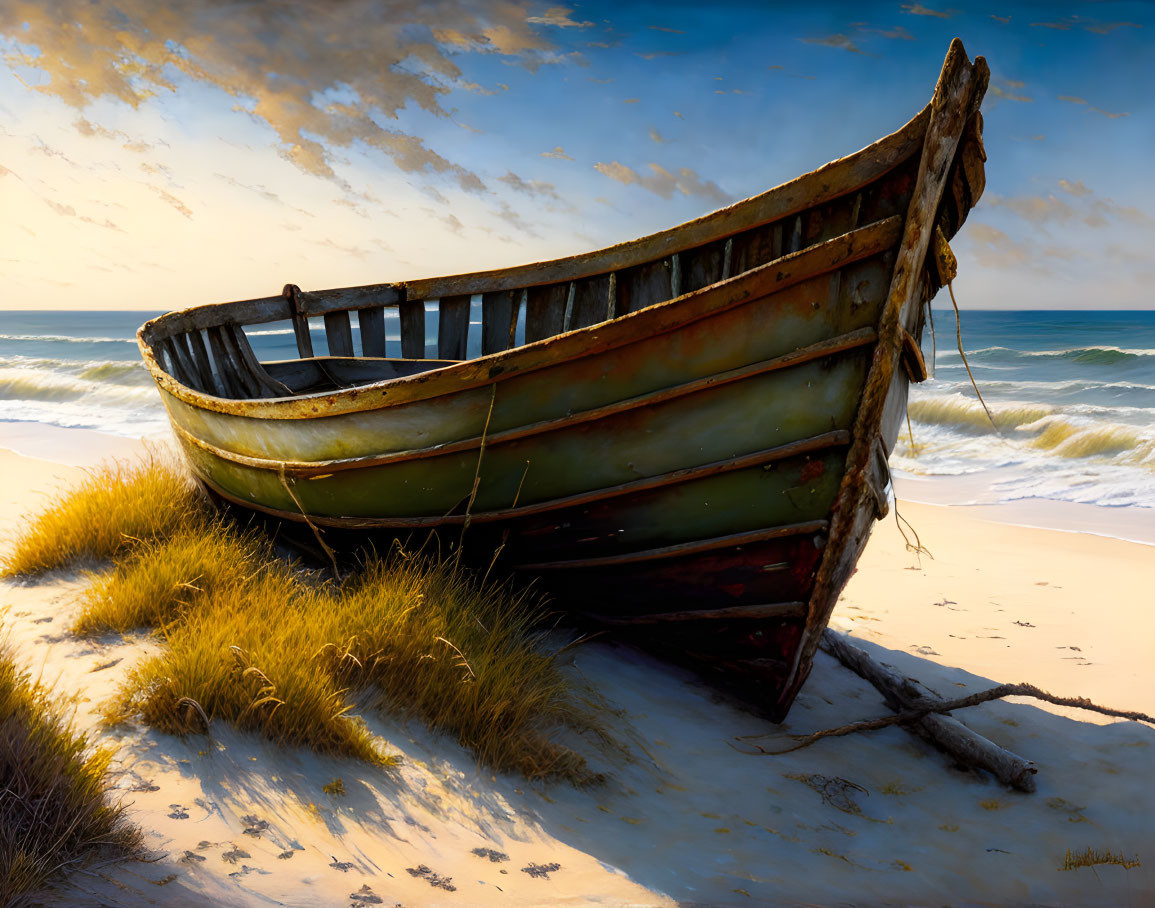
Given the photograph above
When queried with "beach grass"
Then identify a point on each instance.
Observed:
(118, 506)
(257, 641)
(54, 812)
(273, 649)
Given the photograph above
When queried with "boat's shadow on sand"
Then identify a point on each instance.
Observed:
(689, 809)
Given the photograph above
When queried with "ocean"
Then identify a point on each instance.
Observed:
(1072, 395)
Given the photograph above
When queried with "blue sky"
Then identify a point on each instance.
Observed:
(157, 158)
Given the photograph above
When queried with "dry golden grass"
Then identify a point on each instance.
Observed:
(54, 813)
(118, 506)
(257, 642)
(272, 649)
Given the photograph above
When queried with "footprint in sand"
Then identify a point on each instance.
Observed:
(541, 871)
(365, 896)
(343, 866)
(284, 855)
(494, 856)
(179, 812)
(254, 826)
(234, 854)
(432, 877)
(191, 857)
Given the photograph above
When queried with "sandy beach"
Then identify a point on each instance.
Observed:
(688, 814)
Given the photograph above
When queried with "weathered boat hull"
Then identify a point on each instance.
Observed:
(689, 442)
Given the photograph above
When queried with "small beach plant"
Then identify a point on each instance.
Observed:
(118, 505)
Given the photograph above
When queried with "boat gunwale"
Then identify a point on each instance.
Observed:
(660, 318)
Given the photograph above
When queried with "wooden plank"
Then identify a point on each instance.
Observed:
(172, 365)
(496, 321)
(767, 610)
(372, 324)
(591, 301)
(545, 311)
(567, 319)
(612, 296)
(756, 247)
(795, 242)
(201, 359)
(226, 369)
(183, 350)
(682, 548)
(453, 326)
(252, 387)
(244, 312)
(675, 275)
(292, 294)
(320, 302)
(702, 266)
(642, 286)
(269, 387)
(339, 333)
(412, 329)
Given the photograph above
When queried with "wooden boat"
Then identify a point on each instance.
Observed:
(685, 437)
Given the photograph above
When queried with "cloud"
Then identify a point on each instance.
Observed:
(1074, 188)
(658, 137)
(1088, 25)
(355, 251)
(529, 187)
(280, 61)
(173, 201)
(664, 183)
(454, 225)
(1091, 211)
(898, 33)
(1002, 19)
(558, 16)
(558, 152)
(1073, 99)
(917, 9)
(511, 217)
(654, 54)
(995, 249)
(838, 40)
(1004, 88)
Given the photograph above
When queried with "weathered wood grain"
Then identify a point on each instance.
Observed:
(453, 326)
(412, 314)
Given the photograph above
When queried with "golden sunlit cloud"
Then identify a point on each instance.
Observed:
(280, 63)
(558, 16)
(1004, 88)
(558, 152)
(664, 183)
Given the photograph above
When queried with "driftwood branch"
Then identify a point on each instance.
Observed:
(923, 713)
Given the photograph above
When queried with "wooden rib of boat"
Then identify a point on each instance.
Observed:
(684, 436)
